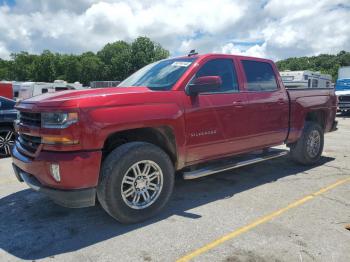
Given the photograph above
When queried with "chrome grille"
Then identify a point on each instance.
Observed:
(344, 98)
(30, 119)
(29, 143)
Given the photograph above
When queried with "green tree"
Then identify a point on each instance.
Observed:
(44, 67)
(117, 59)
(91, 68)
(145, 51)
(22, 66)
(71, 68)
(4, 69)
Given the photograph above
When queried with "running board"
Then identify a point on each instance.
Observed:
(239, 161)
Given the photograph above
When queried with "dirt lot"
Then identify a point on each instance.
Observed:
(272, 211)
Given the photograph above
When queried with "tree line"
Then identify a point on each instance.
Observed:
(326, 64)
(115, 61)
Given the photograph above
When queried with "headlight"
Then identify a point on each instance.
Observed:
(58, 120)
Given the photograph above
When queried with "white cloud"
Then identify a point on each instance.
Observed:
(275, 29)
(4, 53)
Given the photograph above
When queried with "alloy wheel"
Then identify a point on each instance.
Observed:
(6, 142)
(313, 143)
(142, 184)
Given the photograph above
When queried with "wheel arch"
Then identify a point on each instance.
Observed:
(162, 137)
(317, 116)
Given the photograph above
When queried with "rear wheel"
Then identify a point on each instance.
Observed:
(137, 180)
(7, 140)
(308, 149)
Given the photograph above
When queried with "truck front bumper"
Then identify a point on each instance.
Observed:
(344, 106)
(67, 198)
(79, 173)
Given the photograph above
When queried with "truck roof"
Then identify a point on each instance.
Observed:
(201, 56)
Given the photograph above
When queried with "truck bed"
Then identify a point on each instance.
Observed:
(304, 102)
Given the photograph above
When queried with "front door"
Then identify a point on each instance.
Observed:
(215, 122)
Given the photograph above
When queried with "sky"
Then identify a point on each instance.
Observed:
(272, 29)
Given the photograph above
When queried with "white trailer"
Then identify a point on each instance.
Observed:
(30, 89)
(306, 79)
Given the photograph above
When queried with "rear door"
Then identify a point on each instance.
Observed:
(215, 121)
(268, 106)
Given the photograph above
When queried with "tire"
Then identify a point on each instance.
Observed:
(308, 149)
(117, 176)
(7, 140)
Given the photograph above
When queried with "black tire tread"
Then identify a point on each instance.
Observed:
(298, 149)
(113, 163)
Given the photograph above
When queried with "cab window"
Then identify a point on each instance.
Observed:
(225, 69)
(260, 76)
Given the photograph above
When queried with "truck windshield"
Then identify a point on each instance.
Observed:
(161, 75)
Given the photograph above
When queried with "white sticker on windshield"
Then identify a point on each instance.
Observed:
(183, 64)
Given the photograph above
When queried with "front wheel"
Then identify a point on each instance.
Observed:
(137, 180)
(7, 140)
(308, 149)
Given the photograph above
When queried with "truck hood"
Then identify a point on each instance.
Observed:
(80, 98)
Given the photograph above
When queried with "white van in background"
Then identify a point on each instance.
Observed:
(30, 89)
(61, 85)
(306, 79)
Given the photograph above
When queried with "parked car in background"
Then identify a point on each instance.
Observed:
(187, 114)
(306, 79)
(7, 116)
(6, 89)
(342, 89)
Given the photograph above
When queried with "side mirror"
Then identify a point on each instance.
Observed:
(204, 84)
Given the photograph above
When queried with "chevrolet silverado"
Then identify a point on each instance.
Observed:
(195, 115)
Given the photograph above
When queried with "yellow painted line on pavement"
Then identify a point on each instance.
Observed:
(258, 222)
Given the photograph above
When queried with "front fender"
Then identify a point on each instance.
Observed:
(100, 123)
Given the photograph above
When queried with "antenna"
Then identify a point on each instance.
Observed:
(192, 52)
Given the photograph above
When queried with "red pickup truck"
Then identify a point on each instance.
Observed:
(190, 114)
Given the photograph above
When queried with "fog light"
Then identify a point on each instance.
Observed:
(55, 172)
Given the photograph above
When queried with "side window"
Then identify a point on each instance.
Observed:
(260, 76)
(223, 68)
(314, 83)
(309, 83)
(328, 84)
